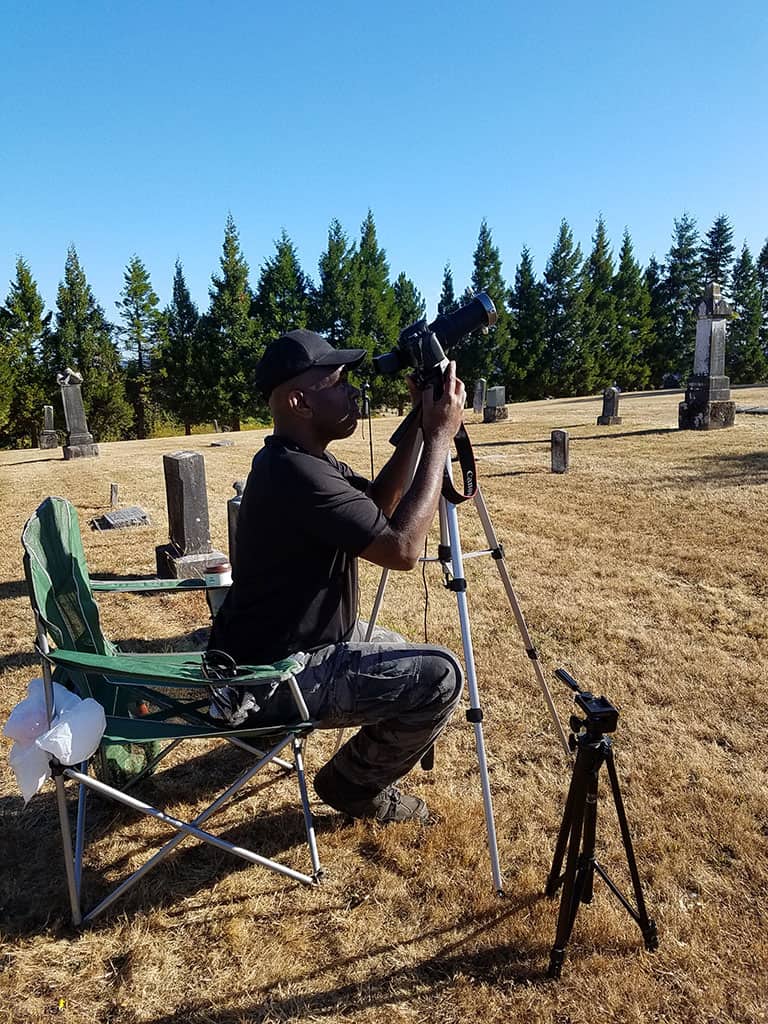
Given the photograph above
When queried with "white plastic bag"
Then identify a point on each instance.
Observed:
(76, 732)
(28, 720)
(74, 735)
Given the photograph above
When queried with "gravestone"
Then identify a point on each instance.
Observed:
(121, 518)
(233, 511)
(495, 405)
(49, 437)
(478, 399)
(708, 404)
(610, 414)
(79, 440)
(189, 550)
(560, 454)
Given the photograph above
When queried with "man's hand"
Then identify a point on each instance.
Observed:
(443, 417)
(413, 390)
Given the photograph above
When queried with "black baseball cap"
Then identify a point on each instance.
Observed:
(297, 351)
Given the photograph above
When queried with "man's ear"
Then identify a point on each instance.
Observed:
(297, 404)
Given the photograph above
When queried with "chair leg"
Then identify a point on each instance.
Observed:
(66, 840)
(82, 797)
(73, 885)
(309, 821)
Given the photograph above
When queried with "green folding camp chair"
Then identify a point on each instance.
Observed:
(146, 699)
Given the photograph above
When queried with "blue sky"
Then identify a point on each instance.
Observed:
(135, 128)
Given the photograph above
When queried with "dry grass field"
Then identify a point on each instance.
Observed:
(644, 572)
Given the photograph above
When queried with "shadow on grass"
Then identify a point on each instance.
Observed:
(24, 462)
(649, 432)
(495, 963)
(11, 589)
(719, 470)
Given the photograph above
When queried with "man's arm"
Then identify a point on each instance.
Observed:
(392, 479)
(400, 544)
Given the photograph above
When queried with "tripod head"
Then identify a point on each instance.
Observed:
(601, 715)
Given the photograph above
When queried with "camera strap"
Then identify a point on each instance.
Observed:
(466, 458)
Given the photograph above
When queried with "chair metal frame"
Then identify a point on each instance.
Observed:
(153, 678)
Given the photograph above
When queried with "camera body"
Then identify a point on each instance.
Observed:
(421, 346)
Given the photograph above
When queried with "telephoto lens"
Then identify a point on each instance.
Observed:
(450, 327)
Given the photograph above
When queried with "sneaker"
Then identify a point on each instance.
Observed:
(385, 807)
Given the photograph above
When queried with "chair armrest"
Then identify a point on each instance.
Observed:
(158, 670)
(147, 586)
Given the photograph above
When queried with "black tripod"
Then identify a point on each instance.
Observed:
(579, 826)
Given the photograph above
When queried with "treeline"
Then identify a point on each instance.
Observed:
(588, 322)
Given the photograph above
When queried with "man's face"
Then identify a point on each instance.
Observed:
(333, 402)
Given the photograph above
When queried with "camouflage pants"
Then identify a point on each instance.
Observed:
(401, 694)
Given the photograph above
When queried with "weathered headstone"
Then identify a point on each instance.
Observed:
(121, 518)
(478, 399)
(79, 440)
(495, 405)
(216, 428)
(49, 438)
(113, 495)
(708, 404)
(189, 550)
(560, 455)
(610, 414)
(233, 511)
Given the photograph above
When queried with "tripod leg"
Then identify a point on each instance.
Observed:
(555, 880)
(449, 516)
(646, 924)
(530, 650)
(590, 832)
(573, 878)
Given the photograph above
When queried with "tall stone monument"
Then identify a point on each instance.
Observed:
(708, 404)
(610, 414)
(79, 440)
(189, 550)
(49, 437)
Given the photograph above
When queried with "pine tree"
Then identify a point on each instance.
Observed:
(762, 282)
(680, 290)
(656, 355)
(379, 323)
(716, 254)
(178, 357)
(82, 339)
(634, 325)
(335, 304)
(281, 302)
(447, 302)
(22, 391)
(228, 344)
(480, 354)
(138, 307)
(564, 365)
(410, 303)
(746, 359)
(598, 324)
(526, 304)
(411, 308)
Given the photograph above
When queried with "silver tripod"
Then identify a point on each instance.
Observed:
(451, 559)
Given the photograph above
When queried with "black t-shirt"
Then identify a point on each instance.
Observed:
(303, 520)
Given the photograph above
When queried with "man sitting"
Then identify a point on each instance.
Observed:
(304, 519)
